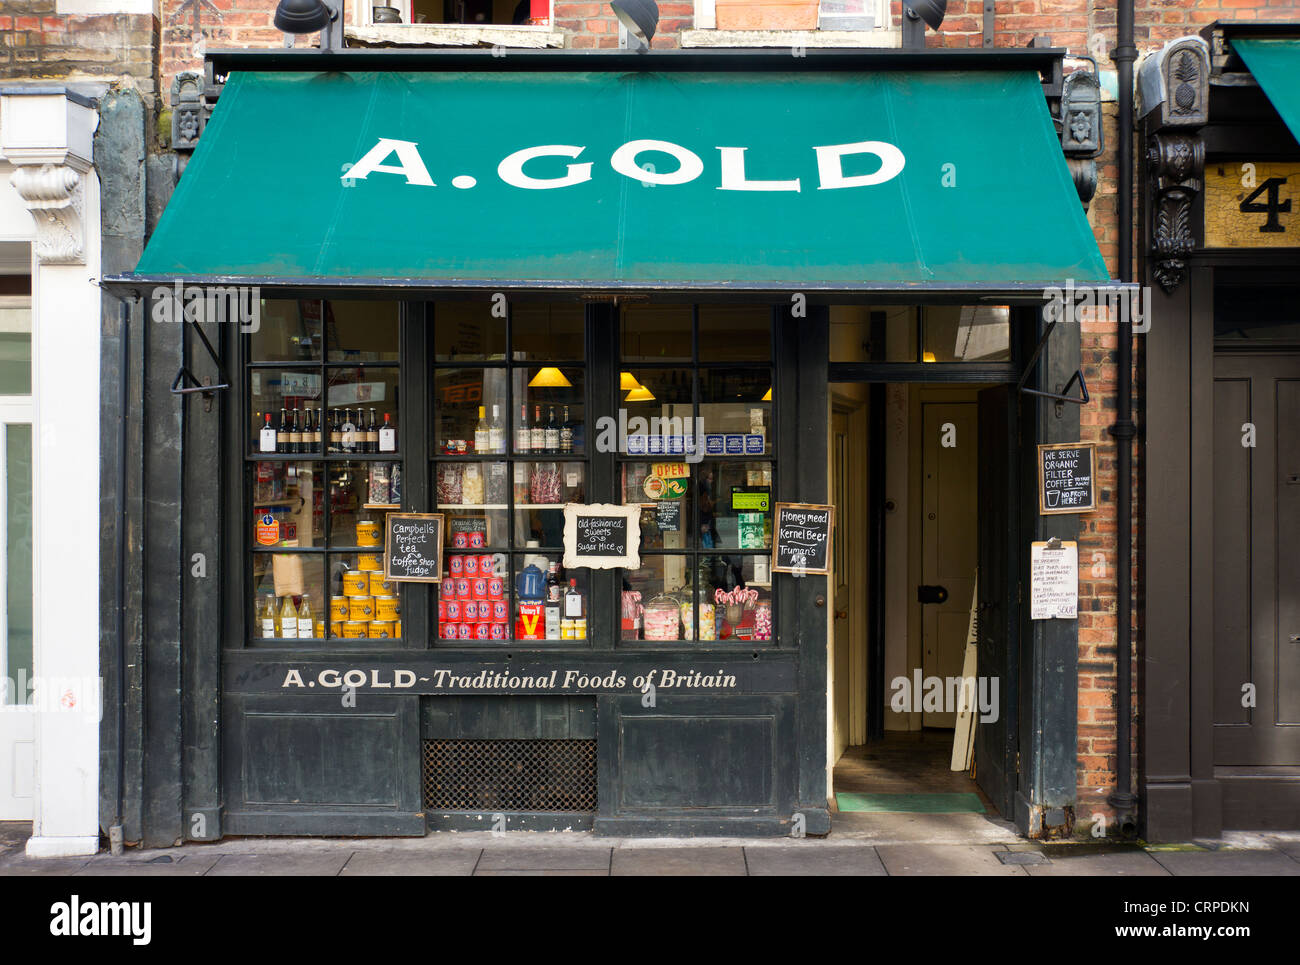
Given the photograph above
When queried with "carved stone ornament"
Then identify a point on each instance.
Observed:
(1175, 81)
(55, 195)
(1081, 134)
(1176, 166)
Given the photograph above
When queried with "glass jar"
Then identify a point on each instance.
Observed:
(661, 618)
(544, 484)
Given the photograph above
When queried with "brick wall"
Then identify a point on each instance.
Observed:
(38, 43)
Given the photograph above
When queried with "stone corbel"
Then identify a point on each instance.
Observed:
(55, 195)
(1081, 131)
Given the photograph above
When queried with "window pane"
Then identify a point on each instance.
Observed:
(282, 399)
(467, 332)
(735, 333)
(363, 605)
(549, 484)
(15, 345)
(364, 400)
(470, 406)
(862, 333)
(362, 331)
(546, 607)
(652, 333)
(18, 566)
(473, 610)
(741, 589)
(470, 525)
(288, 330)
(360, 493)
(280, 583)
(966, 333)
(735, 504)
(666, 494)
(1257, 312)
(734, 413)
(552, 399)
(659, 412)
(287, 504)
(547, 332)
(656, 592)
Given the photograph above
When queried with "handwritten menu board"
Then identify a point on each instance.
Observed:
(1054, 581)
(1066, 480)
(602, 536)
(413, 547)
(801, 538)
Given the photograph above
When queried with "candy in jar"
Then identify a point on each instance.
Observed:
(544, 483)
(449, 484)
(661, 619)
(471, 492)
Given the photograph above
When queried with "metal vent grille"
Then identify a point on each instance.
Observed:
(510, 775)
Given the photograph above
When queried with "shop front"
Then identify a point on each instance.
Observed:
(515, 365)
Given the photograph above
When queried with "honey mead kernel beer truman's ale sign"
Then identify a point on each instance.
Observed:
(538, 168)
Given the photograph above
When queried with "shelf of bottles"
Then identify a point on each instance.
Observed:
(509, 450)
(698, 385)
(324, 466)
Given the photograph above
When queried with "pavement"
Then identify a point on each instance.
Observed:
(900, 845)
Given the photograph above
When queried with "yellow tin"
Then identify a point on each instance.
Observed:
(370, 562)
(339, 608)
(355, 628)
(381, 628)
(387, 608)
(380, 586)
(397, 628)
(356, 583)
(361, 607)
(369, 533)
(336, 628)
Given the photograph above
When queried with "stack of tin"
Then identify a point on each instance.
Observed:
(472, 601)
(369, 606)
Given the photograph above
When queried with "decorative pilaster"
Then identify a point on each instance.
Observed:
(1176, 167)
(55, 195)
(1081, 131)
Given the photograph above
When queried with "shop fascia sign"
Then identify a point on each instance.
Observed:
(730, 171)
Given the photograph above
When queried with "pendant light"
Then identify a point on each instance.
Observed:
(640, 394)
(767, 396)
(627, 382)
(549, 378)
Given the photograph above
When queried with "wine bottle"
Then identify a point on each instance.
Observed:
(295, 433)
(282, 433)
(266, 437)
(481, 431)
(537, 433)
(566, 434)
(336, 432)
(523, 437)
(349, 432)
(552, 433)
(387, 435)
(316, 433)
(496, 432)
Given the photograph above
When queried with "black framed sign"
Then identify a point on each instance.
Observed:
(801, 538)
(1067, 478)
(413, 547)
(602, 536)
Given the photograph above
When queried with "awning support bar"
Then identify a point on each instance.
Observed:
(1058, 397)
(184, 372)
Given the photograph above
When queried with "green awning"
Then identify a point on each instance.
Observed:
(1275, 64)
(802, 180)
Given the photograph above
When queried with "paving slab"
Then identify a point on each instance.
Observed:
(20, 864)
(830, 860)
(544, 859)
(148, 867)
(541, 873)
(1227, 863)
(679, 861)
(943, 859)
(912, 828)
(1121, 864)
(273, 865)
(394, 863)
(1288, 846)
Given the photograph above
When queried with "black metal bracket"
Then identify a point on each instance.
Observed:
(184, 372)
(1058, 397)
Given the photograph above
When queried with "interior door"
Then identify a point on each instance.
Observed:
(17, 719)
(997, 646)
(1256, 563)
(950, 456)
(841, 667)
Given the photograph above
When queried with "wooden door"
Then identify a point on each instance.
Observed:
(1256, 565)
(950, 459)
(841, 667)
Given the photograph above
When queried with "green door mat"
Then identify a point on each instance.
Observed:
(917, 803)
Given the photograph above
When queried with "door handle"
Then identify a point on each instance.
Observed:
(931, 594)
(841, 614)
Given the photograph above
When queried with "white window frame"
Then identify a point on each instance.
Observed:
(707, 34)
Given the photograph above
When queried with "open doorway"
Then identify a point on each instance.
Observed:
(903, 639)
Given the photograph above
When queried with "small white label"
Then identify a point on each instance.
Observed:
(266, 441)
(387, 440)
(268, 628)
(304, 628)
(471, 471)
(572, 479)
(572, 606)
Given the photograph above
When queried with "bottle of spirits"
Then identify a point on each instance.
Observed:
(496, 432)
(305, 628)
(372, 432)
(336, 431)
(282, 432)
(575, 606)
(387, 435)
(523, 437)
(288, 619)
(554, 588)
(295, 432)
(481, 431)
(552, 433)
(566, 434)
(270, 624)
(538, 431)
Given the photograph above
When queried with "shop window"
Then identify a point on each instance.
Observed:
(1251, 311)
(324, 465)
(966, 333)
(931, 333)
(510, 448)
(697, 458)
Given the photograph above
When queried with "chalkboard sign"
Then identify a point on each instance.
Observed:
(668, 515)
(413, 547)
(601, 536)
(1066, 478)
(801, 538)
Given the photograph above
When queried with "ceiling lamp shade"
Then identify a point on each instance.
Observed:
(549, 378)
(627, 381)
(640, 17)
(931, 11)
(301, 16)
(767, 396)
(640, 394)
(928, 357)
